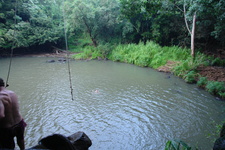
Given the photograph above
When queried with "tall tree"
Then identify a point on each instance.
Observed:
(98, 18)
(192, 10)
(37, 22)
(135, 12)
(205, 15)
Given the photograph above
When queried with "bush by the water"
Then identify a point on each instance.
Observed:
(191, 76)
(215, 87)
(202, 82)
(148, 55)
(152, 55)
(178, 145)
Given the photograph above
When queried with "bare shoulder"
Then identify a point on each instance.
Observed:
(4, 93)
(8, 92)
(5, 98)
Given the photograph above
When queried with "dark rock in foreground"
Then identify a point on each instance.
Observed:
(76, 141)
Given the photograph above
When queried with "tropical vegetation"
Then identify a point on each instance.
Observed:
(142, 32)
(27, 23)
(147, 33)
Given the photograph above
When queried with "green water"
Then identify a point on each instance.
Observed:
(134, 109)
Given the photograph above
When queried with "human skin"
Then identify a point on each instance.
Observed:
(9, 112)
(9, 108)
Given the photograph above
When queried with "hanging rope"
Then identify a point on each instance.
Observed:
(67, 52)
(13, 45)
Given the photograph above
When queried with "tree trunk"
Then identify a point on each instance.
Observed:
(89, 32)
(191, 32)
(94, 42)
(193, 36)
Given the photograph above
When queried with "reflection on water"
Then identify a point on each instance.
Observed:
(119, 106)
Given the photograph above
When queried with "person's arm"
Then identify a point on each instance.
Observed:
(2, 110)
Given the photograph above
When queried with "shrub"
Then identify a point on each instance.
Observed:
(85, 55)
(202, 81)
(80, 56)
(183, 68)
(96, 54)
(188, 64)
(190, 77)
(105, 49)
(222, 95)
(218, 62)
(215, 87)
(117, 57)
(142, 61)
(177, 145)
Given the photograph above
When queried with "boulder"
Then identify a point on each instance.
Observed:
(76, 141)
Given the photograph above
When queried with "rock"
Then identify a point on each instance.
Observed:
(76, 141)
(50, 61)
(222, 132)
(61, 59)
(220, 142)
(80, 141)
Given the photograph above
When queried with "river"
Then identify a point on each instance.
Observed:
(118, 105)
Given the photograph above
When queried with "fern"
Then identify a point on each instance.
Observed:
(178, 145)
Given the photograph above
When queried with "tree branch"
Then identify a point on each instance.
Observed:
(185, 19)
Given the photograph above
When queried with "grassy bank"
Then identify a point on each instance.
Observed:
(154, 56)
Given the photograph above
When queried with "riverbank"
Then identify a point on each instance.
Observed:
(57, 55)
(207, 71)
(210, 78)
(213, 73)
(162, 59)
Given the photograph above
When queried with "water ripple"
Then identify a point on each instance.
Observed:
(119, 106)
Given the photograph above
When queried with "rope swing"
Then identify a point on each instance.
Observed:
(67, 52)
(13, 45)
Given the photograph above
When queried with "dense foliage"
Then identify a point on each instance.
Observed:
(29, 22)
(96, 26)
(26, 23)
(122, 30)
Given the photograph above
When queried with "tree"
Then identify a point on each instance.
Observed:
(134, 11)
(192, 7)
(153, 20)
(97, 18)
(37, 23)
(210, 14)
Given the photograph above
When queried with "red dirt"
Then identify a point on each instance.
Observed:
(212, 73)
(167, 68)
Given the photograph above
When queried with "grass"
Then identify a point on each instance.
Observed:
(153, 55)
(178, 145)
(215, 87)
(77, 44)
(147, 55)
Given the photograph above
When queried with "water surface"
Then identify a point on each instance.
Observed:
(119, 106)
